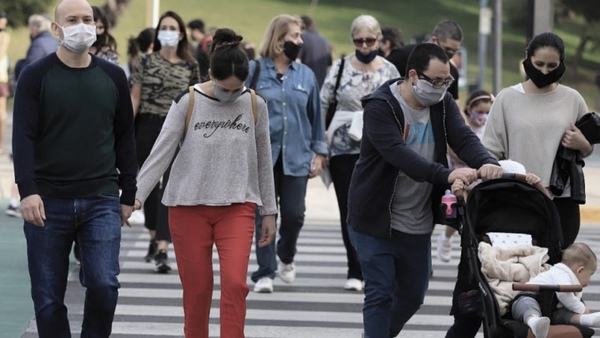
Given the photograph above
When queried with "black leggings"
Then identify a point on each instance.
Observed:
(341, 168)
(570, 219)
(147, 128)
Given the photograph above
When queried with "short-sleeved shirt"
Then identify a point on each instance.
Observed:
(411, 206)
(162, 81)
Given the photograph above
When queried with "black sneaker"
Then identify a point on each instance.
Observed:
(161, 260)
(152, 247)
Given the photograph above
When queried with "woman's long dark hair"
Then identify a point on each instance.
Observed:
(183, 47)
(105, 39)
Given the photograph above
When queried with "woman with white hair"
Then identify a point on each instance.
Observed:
(359, 74)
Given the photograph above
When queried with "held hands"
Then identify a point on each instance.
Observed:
(318, 163)
(126, 211)
(267, 234)
(574, 139)
(32, 210)
(137, 205)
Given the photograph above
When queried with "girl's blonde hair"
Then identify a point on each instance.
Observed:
(271, 44)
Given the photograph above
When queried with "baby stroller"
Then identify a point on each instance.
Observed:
(508, 205)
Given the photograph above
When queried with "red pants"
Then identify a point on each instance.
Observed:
(194, 231)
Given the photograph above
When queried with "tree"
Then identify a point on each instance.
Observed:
(19, 11)
(589, 11)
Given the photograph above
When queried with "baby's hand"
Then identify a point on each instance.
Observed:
(587, 310)
(532, 179)
(457, 187)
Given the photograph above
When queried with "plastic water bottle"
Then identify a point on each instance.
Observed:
(448, 200)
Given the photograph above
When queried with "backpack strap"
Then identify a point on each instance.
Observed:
(254, 105)
(188, 116)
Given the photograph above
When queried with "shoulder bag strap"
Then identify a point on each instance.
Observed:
(337, 81)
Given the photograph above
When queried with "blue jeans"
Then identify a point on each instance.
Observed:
(396, 273)
(96, 224)
(291, 193)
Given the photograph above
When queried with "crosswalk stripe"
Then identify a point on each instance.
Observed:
(315, 305)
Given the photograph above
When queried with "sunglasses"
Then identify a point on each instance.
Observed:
(369, 41)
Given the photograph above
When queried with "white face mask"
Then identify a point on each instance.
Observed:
(78, 38)
(426, 94)
(168, 39)
(227, 97)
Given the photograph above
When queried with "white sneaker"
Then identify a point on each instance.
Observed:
(353, 284)
(287, 272)
(264, 285)
(444, 248)
(539, 326)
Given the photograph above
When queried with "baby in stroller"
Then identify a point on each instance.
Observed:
(510, 206)
(577, 266)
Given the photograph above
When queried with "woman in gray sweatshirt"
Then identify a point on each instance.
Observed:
(222, 172)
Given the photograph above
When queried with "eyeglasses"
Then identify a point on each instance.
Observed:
(437, 83)
(369, 41)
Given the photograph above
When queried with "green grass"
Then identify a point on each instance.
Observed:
(333, 18)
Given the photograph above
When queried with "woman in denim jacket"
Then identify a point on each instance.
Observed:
(297, 140)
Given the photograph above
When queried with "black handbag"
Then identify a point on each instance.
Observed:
(333, 104)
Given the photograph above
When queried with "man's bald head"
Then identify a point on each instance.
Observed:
(66, 8)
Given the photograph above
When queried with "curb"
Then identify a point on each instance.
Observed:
(590, 215)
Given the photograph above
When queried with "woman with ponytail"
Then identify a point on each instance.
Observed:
(220, 176)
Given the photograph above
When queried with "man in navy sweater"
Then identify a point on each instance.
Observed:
(73, 146)
(398, 182)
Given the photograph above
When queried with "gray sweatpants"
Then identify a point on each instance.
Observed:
(526, 306)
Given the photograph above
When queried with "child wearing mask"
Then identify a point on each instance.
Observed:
(475, 113)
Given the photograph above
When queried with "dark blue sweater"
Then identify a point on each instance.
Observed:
(383, 154)
(73, 131)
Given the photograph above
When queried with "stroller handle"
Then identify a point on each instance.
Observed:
(538, 287)
(519, 177)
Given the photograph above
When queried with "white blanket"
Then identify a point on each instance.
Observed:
(502, 267)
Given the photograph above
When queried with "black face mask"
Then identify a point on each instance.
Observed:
(291, 50)
(101, 40)
(540, 79)
(366, 59)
